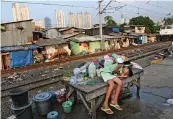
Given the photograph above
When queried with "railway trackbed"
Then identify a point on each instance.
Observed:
(130, 52)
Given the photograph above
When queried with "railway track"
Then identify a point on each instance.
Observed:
(40, 79)
(76, 58)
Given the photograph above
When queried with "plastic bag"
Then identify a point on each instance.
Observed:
(135, 65)
(170, 101)
(73, 80)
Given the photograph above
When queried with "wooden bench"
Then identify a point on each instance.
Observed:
(94, 94)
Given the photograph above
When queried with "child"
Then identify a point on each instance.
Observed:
(110, 67)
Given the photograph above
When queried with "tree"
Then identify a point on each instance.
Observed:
(109, 21)
(146, 21)
(121, 27)
(157, 28)
(168, 21)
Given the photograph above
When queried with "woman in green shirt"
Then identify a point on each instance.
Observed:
(112, 72)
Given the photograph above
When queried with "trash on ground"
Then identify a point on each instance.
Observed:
(170, 101)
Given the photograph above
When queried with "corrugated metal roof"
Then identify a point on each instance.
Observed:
(15, 48)
(137, 34)
(108, 37)
(68, 35)
(48, 42)
(16, 22)
(64, 29)
(93, 38)
(87, 39)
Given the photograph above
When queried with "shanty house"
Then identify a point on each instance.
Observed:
(52, 48)
(70, 36)
(16, 33)
(140, 38)
(106, 30)
(52, 33)
(17, 56)
(91, 44)
(134, 29)
(70, 30)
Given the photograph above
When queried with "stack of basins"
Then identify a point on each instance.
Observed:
(21, 105)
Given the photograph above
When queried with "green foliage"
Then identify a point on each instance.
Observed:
(121, 27)
(157, 28)
(146, 21)
(169, 21)
(109, 21)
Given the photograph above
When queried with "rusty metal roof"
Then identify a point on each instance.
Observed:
(49, 42)
(16, 22)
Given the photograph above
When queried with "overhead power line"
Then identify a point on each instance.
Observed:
(106, 6)
(166, 2)
(141, 8)
(154, 5)
(29, 2)
(116, 7)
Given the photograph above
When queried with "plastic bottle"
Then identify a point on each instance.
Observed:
(98, 72)
(80, 77)
(73, 80)
(92, 70)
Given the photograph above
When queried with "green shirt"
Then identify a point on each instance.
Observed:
(109, 67)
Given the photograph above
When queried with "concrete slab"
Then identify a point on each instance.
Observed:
(159, 75)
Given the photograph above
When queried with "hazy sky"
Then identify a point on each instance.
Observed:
(154, 9)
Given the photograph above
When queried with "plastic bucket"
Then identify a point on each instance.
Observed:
(67, 106)
(24, 112)
(43, 103)
(19, 97)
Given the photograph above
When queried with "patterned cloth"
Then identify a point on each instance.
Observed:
(109, 67)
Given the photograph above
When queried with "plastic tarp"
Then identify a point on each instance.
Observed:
(21, 58)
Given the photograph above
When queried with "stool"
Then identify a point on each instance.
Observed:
(52, 115)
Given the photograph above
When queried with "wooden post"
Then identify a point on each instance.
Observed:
(138, 87)
(93, 108)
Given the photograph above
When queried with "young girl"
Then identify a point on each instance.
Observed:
(111, 74)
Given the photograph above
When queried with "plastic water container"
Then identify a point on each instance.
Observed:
(92, 70)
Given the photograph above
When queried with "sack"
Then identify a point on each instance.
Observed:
(135, 65)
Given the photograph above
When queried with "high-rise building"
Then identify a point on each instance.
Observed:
(123, 18)
(47, 22)
(71, 19)
(60, 19)
(127, 21)
(20, 12)
(79, 20)
(39, 23)
(87, 20)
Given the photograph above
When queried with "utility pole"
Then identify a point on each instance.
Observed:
(100, 26)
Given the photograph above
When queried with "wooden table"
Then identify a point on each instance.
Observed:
(93, 95)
